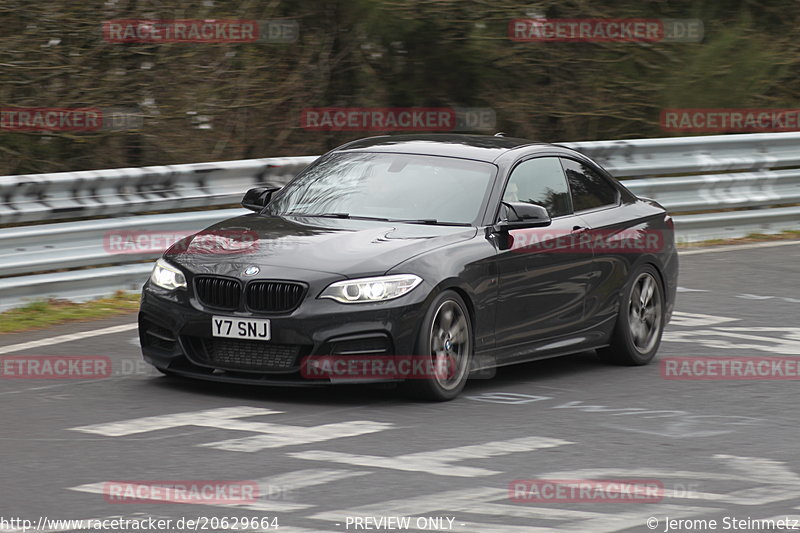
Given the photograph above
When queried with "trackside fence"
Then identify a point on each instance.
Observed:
(721, 186)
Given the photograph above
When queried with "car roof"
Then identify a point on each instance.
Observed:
(478, 147)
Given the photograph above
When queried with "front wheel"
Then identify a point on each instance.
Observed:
(445, 340)
(637, 334)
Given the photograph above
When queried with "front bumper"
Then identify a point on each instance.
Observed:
(175, 336)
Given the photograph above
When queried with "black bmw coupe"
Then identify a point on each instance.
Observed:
(419, 259)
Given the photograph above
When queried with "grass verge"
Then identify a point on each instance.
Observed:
(38, 315)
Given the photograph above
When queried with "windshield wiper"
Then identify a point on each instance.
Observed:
(338, 215)
(428, 222)
(425, 221)
(326, 215)
(348, 215)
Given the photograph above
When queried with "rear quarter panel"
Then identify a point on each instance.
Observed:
(641, 234)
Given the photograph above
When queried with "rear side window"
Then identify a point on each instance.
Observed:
(540, 181)
(589, 189)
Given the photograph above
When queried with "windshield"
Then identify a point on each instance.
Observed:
(396, 187)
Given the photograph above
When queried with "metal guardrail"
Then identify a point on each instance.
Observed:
(86, 243)
(77, 285)
(706, 176)
(124, 191)
(692, 155)
(711, 192)
(708, 226)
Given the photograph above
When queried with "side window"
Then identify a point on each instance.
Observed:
(540, 181)
(589, 189)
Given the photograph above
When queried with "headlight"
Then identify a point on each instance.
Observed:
(371, 289)
(167, 276)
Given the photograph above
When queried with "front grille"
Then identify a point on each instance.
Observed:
(222, 293)
(235, 354)
(274, 296)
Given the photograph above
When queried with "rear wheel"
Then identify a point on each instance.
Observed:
(445, 340)
(637, 334)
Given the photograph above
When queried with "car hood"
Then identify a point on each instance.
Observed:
(344, 247)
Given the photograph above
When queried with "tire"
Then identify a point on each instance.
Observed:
(640, 323)
(445, 336)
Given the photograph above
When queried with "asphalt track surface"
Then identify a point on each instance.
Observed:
(322, 458)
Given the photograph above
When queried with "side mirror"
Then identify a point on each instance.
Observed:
(522, 215)
(257, 199)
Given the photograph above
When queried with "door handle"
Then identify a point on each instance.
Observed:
(579, 229)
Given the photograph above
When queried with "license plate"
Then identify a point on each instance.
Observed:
(241, 328)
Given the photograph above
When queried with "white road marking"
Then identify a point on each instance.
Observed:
(686, 289)
(734, 247)
(647, 473)
(761, 469)
(277, 435)
(438, 462)
(45, 387)
(777, 482)
(683, 425)
(681, 318)
(674, 424)
(300, 479)
(678, 424)
(154, 423)
(740, 338)
(509, 398)
(747, 296)
(65, 338)
(272, 435)
(674, 430)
